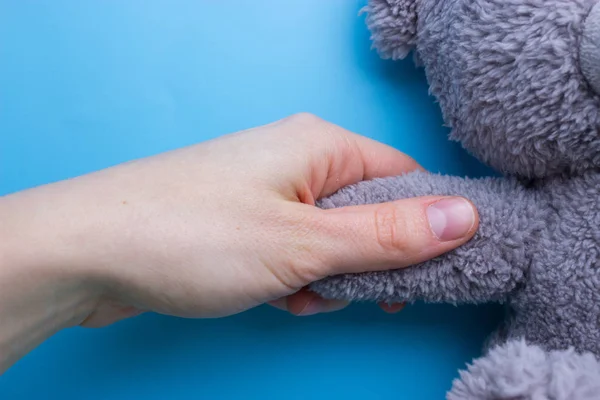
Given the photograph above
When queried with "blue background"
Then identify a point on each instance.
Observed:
(88, 84)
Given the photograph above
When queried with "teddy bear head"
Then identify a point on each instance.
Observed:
(518, 81)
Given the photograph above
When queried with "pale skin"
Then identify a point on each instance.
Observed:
(209, 231)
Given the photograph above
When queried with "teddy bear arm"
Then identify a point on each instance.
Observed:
(487, 268)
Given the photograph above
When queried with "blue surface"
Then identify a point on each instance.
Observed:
(85, 85)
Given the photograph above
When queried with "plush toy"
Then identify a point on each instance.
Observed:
(518, 83)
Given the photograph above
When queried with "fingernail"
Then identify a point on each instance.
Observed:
(392, 308)
(318, 305)
(451, 218)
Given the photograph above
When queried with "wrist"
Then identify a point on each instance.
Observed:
(43, 286)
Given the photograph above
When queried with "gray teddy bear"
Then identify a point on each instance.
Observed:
(518, 82)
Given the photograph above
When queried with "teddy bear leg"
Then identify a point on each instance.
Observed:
(518, 371)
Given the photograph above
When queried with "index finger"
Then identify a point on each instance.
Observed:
(356, 158)
(381, 160)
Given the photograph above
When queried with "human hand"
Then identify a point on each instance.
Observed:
(226, 225)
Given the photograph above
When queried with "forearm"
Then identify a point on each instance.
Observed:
(41, 291)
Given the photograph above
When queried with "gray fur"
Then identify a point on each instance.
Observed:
(504, 72)
(517, 371)
(589, 48)
(487, 268)
(393, 26)
(515, 82)
(537, 249)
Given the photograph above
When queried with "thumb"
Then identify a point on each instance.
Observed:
(396, 234)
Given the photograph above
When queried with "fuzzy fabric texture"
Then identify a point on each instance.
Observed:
(589, 48)
(505, 72)
(515, 81)
(517, 371)
(537, 249)
(488, 267)
(393, 26)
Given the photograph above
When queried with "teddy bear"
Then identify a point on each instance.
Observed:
(518, 84)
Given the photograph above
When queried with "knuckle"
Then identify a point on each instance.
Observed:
(308, 250)
(305, 271)
(287, 275)
(311, 128)
(296, 270)
(393, 231)
(304, 119)
(302, 252)
(303, 127)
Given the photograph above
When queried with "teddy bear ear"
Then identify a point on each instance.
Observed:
(393, 26)
(589, 48)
